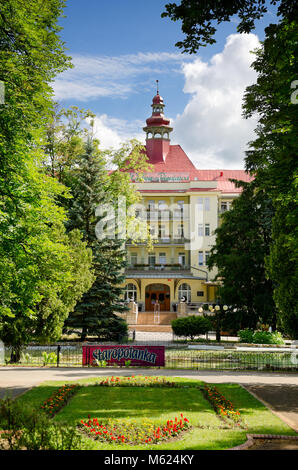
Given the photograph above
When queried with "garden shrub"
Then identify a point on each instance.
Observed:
(28, 429)
(191, 326)
(260, 337)
(265, 337)
(246, 336)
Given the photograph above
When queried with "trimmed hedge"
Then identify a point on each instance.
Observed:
(191, 326)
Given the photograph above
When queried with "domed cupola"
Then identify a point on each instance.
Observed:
(157, 131)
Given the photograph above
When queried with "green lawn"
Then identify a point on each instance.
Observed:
(160, 404)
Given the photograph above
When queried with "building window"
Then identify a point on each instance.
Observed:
(162, 231)
(201, 258)
(207, 255)
(133, 259)
(152, 213)
(180, 231)
(151, 259)
(224, 206)
(130, 292)
(207, 230)
(152, 230)
(162, 205)
(203, 204)
(162, 258)
(184, 292)
(204, 230)
(179, 208)
(181, 259)
(200, 204)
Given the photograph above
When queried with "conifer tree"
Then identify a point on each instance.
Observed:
(95, 314)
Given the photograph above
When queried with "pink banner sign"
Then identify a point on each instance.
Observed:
(146, 356)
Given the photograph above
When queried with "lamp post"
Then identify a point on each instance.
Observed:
(216, 311)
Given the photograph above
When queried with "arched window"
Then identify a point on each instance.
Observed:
(130, 292)
(184, 292)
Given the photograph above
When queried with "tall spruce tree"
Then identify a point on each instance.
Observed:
(95, 314)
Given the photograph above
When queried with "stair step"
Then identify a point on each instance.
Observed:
(151, 328)
(147, 318)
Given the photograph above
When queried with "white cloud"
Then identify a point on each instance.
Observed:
(211, 128)
(112, 132)
(114, 77)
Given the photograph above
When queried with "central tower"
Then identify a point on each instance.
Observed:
(157, 131)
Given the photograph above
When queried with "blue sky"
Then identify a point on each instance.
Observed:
(120, 47)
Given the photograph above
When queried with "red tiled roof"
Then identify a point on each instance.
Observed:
(178, 161)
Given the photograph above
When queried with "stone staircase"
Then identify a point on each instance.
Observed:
(146, 322)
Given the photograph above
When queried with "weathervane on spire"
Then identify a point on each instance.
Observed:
(157, 92)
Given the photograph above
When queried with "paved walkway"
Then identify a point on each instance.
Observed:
(277, 391)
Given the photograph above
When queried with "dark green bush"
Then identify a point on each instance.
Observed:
(111, 329)
(260, 337)
(31, 430)
(246, 336)
(191, 326)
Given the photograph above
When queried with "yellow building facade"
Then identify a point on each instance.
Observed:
(182, 206)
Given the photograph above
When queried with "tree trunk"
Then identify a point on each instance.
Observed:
(15, 354)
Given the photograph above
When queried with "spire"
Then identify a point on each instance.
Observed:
(157, 131)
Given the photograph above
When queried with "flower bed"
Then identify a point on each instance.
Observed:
(59, 398)
(136, 381)
(133, 432)
(222, 406)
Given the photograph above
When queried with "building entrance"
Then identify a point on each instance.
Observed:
(157, 293)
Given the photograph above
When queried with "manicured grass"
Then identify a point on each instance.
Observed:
(160, 404)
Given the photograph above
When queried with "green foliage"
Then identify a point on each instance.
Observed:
(95, 314)
(191, 326)
(282, 262)
(43, 271)
(273, 160)
(29, 429)
(95, 194)
(272, 156)
(49, 358)
(246, 335)
(242, 243)
(65, 133)
(54, 275)
(200, 18)
(260, 337)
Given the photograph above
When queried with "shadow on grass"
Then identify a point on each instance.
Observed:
(259, 418)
